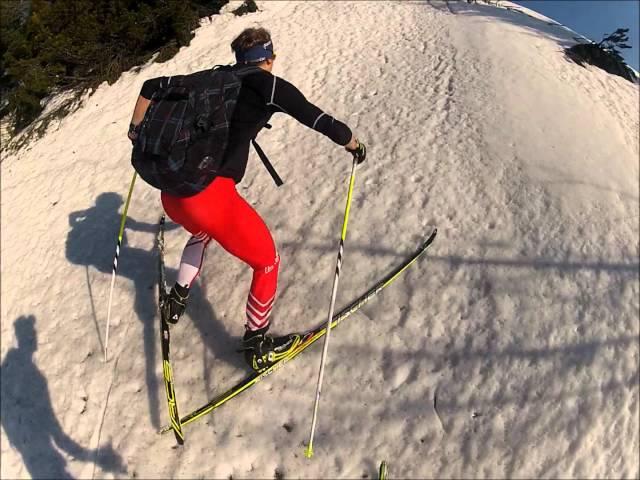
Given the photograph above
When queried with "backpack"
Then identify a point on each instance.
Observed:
(185, 131)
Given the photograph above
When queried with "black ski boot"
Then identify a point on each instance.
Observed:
(176, 303)
(262, 350)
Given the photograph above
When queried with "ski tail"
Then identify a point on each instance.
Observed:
(308, 339)
(167, 372)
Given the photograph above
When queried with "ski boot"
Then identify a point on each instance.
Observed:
(261, 351)
(175, 303)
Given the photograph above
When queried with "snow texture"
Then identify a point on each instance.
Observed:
(511, 350)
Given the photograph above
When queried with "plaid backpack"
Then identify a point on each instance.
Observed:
(185, 130)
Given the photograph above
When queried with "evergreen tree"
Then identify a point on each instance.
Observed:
(49, 45)
(605, 54)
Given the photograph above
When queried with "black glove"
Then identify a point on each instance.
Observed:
(360, 153)
(134, 130)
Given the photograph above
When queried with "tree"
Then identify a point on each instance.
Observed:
(615, 40)
(605, 54)
(58, 45)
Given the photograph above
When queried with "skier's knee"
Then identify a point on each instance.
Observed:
(271, 266)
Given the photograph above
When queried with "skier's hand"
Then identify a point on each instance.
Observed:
(134, 130)
(357, 149)
(109, 460)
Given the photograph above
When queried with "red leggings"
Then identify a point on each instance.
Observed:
(221, 214)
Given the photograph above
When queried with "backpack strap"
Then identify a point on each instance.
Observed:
(272, 171)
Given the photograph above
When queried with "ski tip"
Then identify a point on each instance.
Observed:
(308, 452)
(430, 238)
(382, 471)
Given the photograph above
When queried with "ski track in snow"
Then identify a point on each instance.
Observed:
(521, 321)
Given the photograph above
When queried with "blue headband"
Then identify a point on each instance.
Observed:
(257, 53)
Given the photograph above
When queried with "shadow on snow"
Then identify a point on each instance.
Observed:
(28, 418)
(90, 242)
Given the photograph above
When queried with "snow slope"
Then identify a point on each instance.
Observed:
(520, 327)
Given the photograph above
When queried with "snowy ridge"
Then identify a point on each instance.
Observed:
(578, 37)
(510, 350)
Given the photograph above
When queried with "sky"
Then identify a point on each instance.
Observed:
(595, 18)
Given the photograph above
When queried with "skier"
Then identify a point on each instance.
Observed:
(220, 213)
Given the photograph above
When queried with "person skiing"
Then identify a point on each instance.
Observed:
(218, 212)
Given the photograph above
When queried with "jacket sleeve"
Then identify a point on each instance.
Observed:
(288, 99)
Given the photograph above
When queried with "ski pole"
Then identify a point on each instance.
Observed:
(309, 450)
(115, 263)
